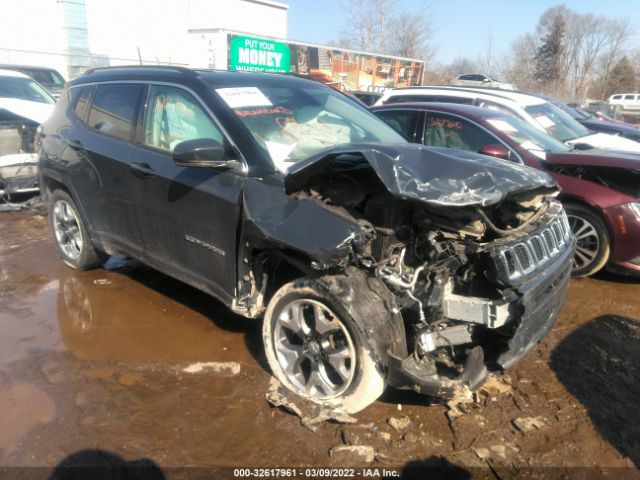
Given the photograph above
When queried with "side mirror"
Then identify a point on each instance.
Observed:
(496, 150)
(203, 153)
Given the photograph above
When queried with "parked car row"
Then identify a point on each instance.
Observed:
(534, 109)
(600, 188)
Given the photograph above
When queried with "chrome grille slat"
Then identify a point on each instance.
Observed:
(532, 252)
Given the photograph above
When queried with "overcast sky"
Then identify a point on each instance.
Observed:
(462, 27)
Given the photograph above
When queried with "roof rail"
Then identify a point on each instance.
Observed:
(177, 68)
(494, 92)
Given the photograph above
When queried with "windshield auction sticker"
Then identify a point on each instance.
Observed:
(239, 97)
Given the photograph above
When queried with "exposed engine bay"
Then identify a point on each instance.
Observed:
(18, 160)
(623, 180)
(454, 273)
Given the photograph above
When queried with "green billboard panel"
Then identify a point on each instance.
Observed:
(258, 55)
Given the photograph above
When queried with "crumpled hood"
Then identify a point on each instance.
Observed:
(596, 158)
(36, 111)
(607, 141)
(438, 176)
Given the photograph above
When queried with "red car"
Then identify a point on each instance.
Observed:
(600, 189)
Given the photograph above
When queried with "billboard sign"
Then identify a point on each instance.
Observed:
(343, 69)
(258, 55)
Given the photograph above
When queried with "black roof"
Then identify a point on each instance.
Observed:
(179, 74)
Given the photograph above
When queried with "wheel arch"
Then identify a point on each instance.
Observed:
(593, 208)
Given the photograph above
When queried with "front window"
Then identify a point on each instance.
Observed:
(442, 130)
(402, 121)
(526, 135)
(294, 122)
(559, 124)
(175, 116)
(23, 89)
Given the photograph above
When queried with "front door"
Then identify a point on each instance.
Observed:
(189, 215)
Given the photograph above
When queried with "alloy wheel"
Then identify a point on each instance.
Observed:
(587, 241)
(67, 229)
(314, 349)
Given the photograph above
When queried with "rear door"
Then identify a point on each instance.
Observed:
(189, 215)
(106, 139)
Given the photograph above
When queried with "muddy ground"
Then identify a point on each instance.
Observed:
(111, 360)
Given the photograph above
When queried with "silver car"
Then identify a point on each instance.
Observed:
(479, 80)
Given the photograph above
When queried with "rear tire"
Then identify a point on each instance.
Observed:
(593, 245)
(70, 234)
(315, 348)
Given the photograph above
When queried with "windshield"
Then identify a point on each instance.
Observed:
(558, 123)
(23, 89)
(295, 122)
(526, 135)
(574, 112)
(583, 114)
(48, 78)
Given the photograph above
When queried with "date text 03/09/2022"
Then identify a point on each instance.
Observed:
(314, 473)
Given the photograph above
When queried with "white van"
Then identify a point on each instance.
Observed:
(625, 101)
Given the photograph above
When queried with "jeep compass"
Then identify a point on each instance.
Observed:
(371, 261)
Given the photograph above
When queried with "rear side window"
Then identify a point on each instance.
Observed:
(493, 106)
(402, 121)
(80, 98)
(114, 109)
(174, 116)
(629, 97)
(442, 130)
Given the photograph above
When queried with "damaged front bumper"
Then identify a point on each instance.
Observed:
(519, 324)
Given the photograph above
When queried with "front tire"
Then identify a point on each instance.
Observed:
(315, 348)
(70, 234)
(593, 245)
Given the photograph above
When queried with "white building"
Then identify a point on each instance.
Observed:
(73, 35)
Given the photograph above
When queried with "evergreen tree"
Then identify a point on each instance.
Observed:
(549, 55)
(622, 78)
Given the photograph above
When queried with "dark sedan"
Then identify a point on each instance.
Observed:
(599, 124)
(600, 189)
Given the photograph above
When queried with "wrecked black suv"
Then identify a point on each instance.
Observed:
(371, 261)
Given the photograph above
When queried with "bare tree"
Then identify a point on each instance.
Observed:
(574, 54)
(613, 54)
(410, 35)
(366, 24)
(486, 60)
(519, 67)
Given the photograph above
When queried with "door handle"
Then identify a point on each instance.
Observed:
(142, 170)
(75, 144)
